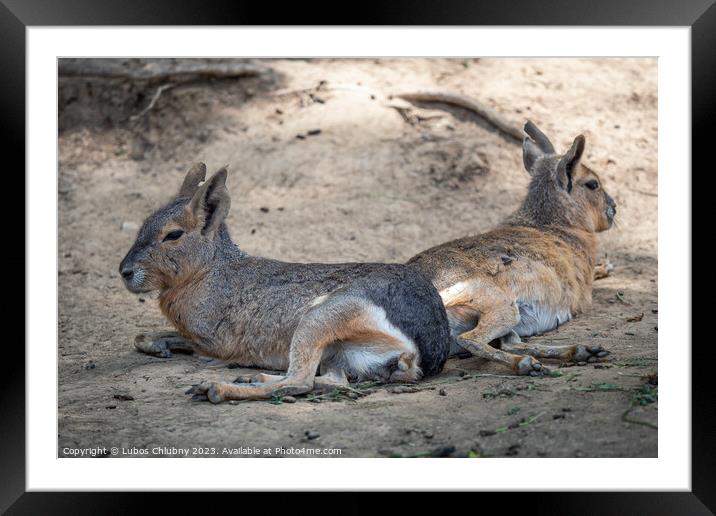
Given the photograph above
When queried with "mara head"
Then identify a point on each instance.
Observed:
(563, 191)
(179, 240)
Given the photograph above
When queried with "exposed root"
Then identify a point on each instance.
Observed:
(506, 127)
(151, 104)
(490, 115)
(627, 419)
(156, 70)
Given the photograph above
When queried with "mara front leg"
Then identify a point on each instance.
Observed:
(570, 352)
(328, 379)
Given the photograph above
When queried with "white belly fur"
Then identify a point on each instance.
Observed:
(536, 318)
(365, 359)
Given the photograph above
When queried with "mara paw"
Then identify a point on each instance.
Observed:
(162, 344)
(589, 353)
(147, 344)
(529, 366)
(205, 391)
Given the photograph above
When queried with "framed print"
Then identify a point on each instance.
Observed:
(346, 247)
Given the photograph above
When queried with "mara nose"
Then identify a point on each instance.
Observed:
(611, 202)
(126, 273)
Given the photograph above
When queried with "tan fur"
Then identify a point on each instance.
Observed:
(536, 258)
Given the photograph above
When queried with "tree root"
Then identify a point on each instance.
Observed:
(627, 419)
(507, 128)
(152, 102)
(488, 114)
(159, 70)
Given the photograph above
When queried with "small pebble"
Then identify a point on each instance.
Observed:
(512, 450)
(129, 226)
(442, 392)
(137, 150)
(288, 399)
(264, 209)
(311, 435)
(314, 132)
(443, 451)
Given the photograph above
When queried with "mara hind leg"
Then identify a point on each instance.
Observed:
(163, 344)
(341, 319)
(497, 320)
(572, 352)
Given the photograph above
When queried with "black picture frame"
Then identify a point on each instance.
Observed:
(17, 15)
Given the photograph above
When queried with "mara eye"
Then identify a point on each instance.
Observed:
(592, 184)
(174, 235)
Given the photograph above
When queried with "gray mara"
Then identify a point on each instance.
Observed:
(351, 321)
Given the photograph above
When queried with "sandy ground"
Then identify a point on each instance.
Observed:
(370, 187)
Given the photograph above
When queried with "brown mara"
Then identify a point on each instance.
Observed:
(534, 271)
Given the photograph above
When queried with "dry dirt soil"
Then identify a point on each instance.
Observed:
(375, 184)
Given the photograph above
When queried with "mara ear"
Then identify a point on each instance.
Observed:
(210, 204)
(539, 138)
(196, 174)
(530, 153)
(569, 162)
